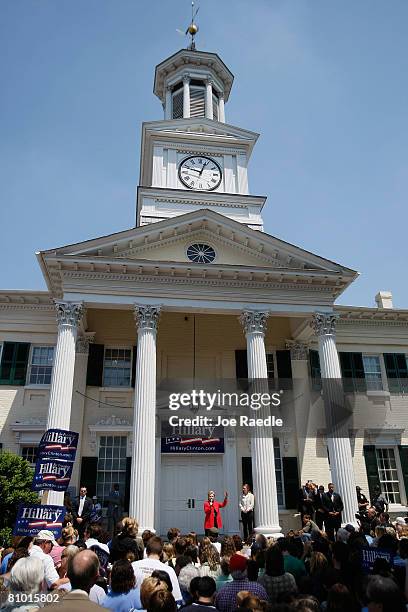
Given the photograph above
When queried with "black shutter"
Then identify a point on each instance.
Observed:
(241, 368)
(315, 371)
(247, 471)
(352, 370)
(94, 374)
(396, 368)
(359, 373)
(134, 357)
(371, 468)
(346, 371)
(127, 483)
(14, 363)
(403, 453)
(284, 367)
(89, 467)
(290, 481)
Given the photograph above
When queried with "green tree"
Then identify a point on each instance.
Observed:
(16, 476)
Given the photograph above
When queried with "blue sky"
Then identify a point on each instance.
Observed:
(324, 82)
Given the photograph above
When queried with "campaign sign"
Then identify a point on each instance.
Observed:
(33, 518)
(58, 444)
(369, 555)
(53, 474)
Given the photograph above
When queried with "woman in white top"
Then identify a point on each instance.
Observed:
(210, 562)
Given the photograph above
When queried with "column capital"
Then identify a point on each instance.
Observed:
(147, 317)
(83, 342)
(299, 351)
(69, 313)
(209, 81)
(254, 321)
(186, 77)
(324, 323)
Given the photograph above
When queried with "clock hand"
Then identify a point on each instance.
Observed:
(204, 165)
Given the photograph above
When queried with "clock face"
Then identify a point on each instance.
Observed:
(200, 172)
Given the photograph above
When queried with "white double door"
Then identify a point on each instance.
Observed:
(184, 483)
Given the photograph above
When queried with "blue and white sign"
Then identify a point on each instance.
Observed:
(58, 444)
(33, 518)
(369, 555)
(51, 474)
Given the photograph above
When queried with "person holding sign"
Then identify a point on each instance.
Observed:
(212, 512)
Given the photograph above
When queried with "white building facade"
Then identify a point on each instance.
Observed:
(198, 291)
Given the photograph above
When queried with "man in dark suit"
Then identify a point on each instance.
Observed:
(115, 508)
(320, 512)
(81, 511)
(333, 505)
(305, 501)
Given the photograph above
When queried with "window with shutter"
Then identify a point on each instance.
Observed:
(178, 105)
(197, 102)
(14, 363)
(397, 372)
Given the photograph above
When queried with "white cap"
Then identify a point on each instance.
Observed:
(47, 535)
(400, 521)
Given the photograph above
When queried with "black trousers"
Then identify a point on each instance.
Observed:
(319, 519)
(247, 523)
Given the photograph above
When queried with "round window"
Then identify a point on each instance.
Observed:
(200, 253)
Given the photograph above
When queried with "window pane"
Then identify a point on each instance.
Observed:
(111, 470)
(388, 474)
(117, 367)
(41, 365)
(372, 370)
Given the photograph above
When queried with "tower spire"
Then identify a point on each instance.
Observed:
(193, 27)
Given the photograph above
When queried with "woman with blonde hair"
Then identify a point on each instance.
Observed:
(127, 544)
(210, 562)
(149, 586)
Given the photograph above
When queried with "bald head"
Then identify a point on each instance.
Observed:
(83, 569)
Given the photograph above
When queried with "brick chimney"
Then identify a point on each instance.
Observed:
(384, 299)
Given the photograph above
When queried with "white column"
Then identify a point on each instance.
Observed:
(69, 315)
(78, 399)
(168, 104)
(262, 451)
(242, 173)
(337, 417)
(142, 479)
(157, 169)
(299, 355)
(221, 109)
(231, 511)
(186, 97)
(208, 99)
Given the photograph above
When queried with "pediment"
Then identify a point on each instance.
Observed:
(235, 244)
(199, 127)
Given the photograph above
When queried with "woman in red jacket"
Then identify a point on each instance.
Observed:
(212, 511)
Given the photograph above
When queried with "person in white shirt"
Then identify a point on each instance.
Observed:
(41, 547)
(91, 536)
(145, 567)
(246, 505)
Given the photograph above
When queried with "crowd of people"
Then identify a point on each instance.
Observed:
(318, 568)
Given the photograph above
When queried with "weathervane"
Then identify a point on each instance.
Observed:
(192, 28)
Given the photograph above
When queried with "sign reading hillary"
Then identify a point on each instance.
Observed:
(33, 518)
(58, 444)
(51, 474)
(369, 556)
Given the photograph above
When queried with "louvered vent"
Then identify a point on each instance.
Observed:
(197, 102)
(178, 105)
(215, 107)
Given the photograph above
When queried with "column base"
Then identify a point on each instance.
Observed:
(274, 531)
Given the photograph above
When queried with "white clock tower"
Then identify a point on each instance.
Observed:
(192, 158)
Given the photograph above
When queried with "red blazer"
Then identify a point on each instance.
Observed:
(209, 513)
